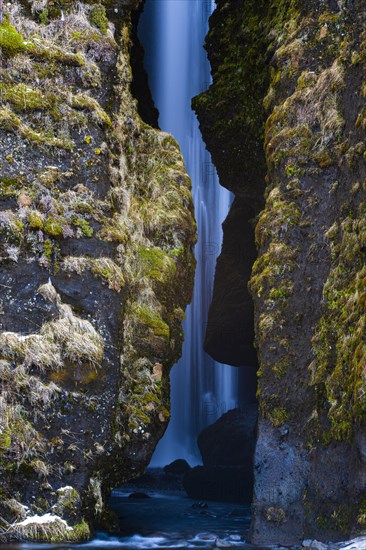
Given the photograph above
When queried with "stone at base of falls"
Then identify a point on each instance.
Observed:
(156, 480)
(227, 448)
(219, 543)
(138, 495)
(230, 441)
(358, 543)
(177, 467)
(314, 544)
(220, 483)
(200, 504)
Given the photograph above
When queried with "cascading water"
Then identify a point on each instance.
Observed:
(173, 32)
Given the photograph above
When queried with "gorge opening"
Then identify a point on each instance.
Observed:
(202, 388)
(217, 370)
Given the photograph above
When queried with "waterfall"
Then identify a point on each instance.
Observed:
(173, 32)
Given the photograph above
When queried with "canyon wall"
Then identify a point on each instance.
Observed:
(285, 122)
(96, 264)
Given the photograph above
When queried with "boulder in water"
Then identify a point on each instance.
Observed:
(138, 495)
(177, 467)
(314, 545)
(230, 440)
(200, 504)
(220, 543)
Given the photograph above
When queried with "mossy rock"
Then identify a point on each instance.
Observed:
(35, 220)
(53, 227)
(155, 263)
(150, 318)
(99, 19)
(25, 98)
(11, 41)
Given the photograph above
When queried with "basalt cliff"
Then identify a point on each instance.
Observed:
(96, 263)
(285, 122)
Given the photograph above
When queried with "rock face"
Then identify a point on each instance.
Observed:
(287, 110)
(230, 328)
(96, 266)
(231, 118)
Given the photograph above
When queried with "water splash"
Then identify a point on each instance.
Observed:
(173, 32)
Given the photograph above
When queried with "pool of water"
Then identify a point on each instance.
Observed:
(167, 520)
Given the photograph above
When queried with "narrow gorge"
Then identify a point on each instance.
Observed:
(114, 268)
(172, 34)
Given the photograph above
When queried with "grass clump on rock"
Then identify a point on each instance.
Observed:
(51, 528)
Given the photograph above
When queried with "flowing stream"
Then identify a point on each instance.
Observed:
(173, 33)
(165, 523)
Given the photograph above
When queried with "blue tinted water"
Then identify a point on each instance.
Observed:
(173, 33)
(166, 521)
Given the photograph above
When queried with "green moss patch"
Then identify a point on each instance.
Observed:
(11, 42)
(99, 19)
(25, 97)
(150, 319)
(155, 264)
(340, 340)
